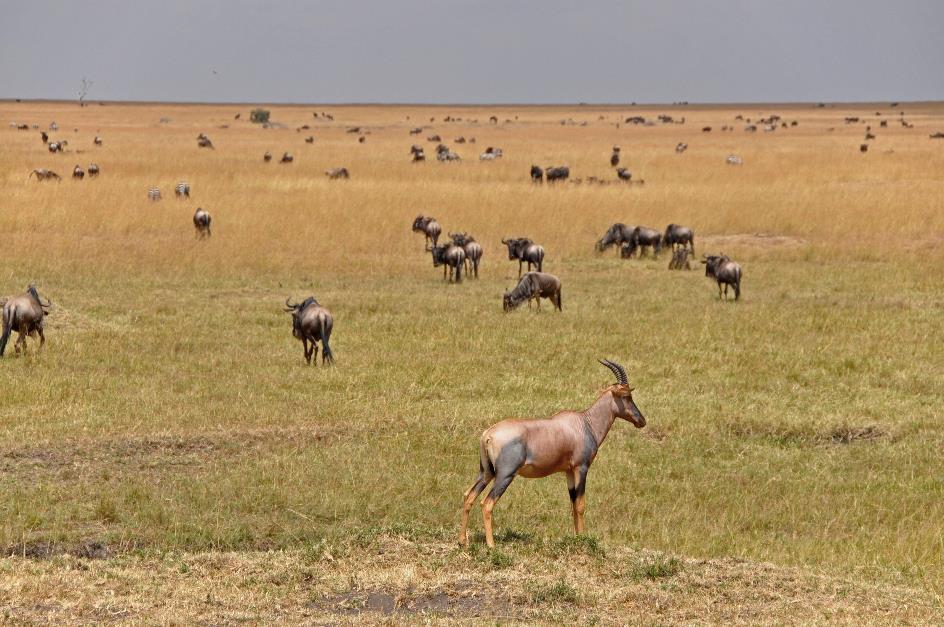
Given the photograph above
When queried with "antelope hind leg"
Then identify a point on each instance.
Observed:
(468, 500)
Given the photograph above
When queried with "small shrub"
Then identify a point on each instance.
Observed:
(560, 592)
(259, 116)
(583, 544)
(655, 568)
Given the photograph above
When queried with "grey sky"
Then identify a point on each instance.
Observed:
(452, 51)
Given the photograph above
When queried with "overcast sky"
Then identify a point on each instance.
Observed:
(451, 51)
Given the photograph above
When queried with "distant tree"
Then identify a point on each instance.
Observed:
(84, 90)
(259, 116)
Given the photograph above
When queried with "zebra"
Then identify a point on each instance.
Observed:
(154, 194)
(182, 190)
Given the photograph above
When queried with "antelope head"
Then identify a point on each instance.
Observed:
(622, 396)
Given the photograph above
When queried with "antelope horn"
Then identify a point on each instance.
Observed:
(617, 370)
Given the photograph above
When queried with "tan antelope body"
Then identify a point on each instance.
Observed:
(566, 442)
(23, 314)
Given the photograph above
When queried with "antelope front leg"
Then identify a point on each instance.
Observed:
(576, 486)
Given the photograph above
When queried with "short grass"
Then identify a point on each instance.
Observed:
(171, 409)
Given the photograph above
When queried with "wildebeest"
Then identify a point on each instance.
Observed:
(537, 174)
(525, 251)
(863, 148)
(706, 129)
(624, 174)
(491, 154)
(618, 234)
(444, 154)
(534, 286)
(451, 258)
(182, 190)
(44, 137)
(201, 222)
(267, 157)
(560, 173)
(97, 141)
(937, 135)
(338, 173)
(434, 138)
(615, 157)
(416, 130)
(725, 272)
(78, 172)
(93, 170)
(310, 139)
(23, 314)
(418, 153)
(642, 238)
(681, 147)
(58, 146)
(680, 260)
(203, 141)
(428, 226)
(566, 442)
(286, 158)
(312, 323)
(473, 252)
(42, 174)
(676, 235)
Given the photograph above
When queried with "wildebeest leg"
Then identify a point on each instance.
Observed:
(719, 290)
(20, 340)
(485, 477)
(42, 338)
(519, 268)
(726, 291)
(576, 486)
(305, 348)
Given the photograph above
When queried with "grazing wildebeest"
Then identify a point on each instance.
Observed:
(24, 314)
(338, 173)
(566, 442)
(44, 137)
(624, 174)
(182, 190)
(310, 140)
(537, 174)
(203, 141)
(525, 251)
(312, 323)
(676, 235)
(681, 147)
(93, 170)
(286, 158)
(937, 135)
(201, 222)
(428, 226)
(78, 172)
(734, 160)
(416, 130)
(434, 138)
(451, 258)
(557, 174)
(97, 141)
(615, 157)
(267, 157)
(680, 259)
(534, 286)
(725, 272)
(706, 129)
(42, 174)
(642, 238)
(618, 234)
(444, 154)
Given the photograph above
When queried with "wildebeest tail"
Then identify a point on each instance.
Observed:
(560, 303)
(7, 329)
(326, 354)
(737, 285)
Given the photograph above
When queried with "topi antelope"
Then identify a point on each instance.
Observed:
(201, 222)
(428, 226)
(312, 323)
(451, 258)
(566, 442)
(534, 286)
(725, 272)
(24, 314)
(524, 250)
(42, 174)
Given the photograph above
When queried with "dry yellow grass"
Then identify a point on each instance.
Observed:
(170, 416)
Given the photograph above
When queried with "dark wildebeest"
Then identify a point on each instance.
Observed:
(267, 157)
(93, 170)
(57, 146)
(725, 272)
(525, 250)
(42, 174)
(451, 258)
(643, 237)
(534, 286)
(24, 314)
(680, 260)
(676, 235)
(201, 222)
(338, 173)
(615, 157)
(310, 139)
(78, 172)
(428, 226)
(418, 153)
(863, 148)
(312, 323)
(44, 137)
(537, 174)
(557, 174)
(624, 174)
(97, 141)
(286, 158)
(473, 252)
(618, 234)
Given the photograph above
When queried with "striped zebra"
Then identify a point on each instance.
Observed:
(182, 190)
(154, 194)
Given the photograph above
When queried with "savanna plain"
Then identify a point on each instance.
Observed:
(168, 456)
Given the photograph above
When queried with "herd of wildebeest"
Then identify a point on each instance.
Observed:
(312, 323)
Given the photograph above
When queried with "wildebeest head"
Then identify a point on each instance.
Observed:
(612, 236)
(461, 239)
(419, 224)
(296, 309)
(515, 245)
(712, 262)
(439, 254)
(31, 290)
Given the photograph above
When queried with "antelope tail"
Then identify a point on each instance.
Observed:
(7, 328)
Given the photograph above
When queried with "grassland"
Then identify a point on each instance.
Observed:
(170, 419)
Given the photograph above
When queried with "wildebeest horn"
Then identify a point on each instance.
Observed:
(617, 370)
(289, 305)
(46, 305)
(504, 241)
